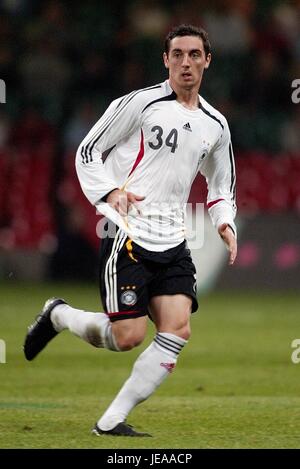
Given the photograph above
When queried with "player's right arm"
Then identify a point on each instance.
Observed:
(121, 119)
(122, 200)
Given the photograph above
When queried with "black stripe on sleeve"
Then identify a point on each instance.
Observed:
(82, 154)
(232, 167)
(170, 97)
(90, 145)
(144, 89)
(123, 103)
(210, 115)
(233, 176)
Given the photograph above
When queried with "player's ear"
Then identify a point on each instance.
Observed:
(166, 60)
(208, 60)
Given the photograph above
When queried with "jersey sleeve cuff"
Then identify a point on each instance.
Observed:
(223, 213)
(104, 198)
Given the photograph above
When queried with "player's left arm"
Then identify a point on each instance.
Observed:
(229, 239)
(219, 171)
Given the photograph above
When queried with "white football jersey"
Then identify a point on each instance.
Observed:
(155, 148)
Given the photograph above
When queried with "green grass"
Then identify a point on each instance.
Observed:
(234, 386)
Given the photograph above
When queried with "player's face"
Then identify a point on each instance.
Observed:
(186, 61)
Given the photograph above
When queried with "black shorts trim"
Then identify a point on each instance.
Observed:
(126, 315)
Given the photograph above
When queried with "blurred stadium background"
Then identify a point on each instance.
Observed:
(63, 62)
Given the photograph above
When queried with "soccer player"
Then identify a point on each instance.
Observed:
(155, 141)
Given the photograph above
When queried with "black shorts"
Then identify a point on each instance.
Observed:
(131, 275)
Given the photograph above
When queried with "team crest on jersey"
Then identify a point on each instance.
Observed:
(205, 149)
(128, 298)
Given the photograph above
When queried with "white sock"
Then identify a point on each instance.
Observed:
(149, 371)
(94, 328)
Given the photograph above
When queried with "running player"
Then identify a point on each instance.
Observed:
(155, 141)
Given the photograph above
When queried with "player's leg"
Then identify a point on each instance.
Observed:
(56, 316)
(173, 298)
(122, 292)
(123, 297)
(97, 328)
(157, 361)
(171, 314)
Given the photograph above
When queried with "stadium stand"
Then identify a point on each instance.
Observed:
(99, 53)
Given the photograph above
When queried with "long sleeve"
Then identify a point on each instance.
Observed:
(219, 171)
(121, 119)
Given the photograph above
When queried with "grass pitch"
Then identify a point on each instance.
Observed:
(235, 385)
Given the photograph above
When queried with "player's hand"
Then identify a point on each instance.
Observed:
(121, 201)
(229, 239)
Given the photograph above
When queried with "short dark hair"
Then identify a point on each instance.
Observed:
(188, 30)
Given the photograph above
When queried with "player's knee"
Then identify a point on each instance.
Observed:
(184, 332)
(129, 340)
(182, 328)
(129, 333)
